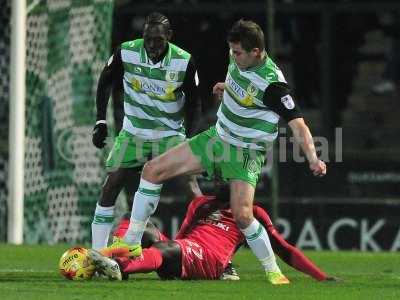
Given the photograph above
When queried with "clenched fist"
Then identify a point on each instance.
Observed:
(99, 135)
(218, 89)
(318, 168)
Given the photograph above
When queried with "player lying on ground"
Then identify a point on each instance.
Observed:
(255, 96)
(153, 235)
(203, 247)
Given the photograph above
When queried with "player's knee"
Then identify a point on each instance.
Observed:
(243, 218)
(151, 172)
(243, 214)
(110, 190)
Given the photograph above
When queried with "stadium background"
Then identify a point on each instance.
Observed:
(334, 54)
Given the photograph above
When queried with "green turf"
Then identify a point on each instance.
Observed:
(30, 272)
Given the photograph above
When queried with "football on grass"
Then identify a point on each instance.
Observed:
(76, 265)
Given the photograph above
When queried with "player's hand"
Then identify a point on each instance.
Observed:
(318, 168)
(218, 89)
(99, 135)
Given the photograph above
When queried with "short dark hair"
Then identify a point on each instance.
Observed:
(248, 33)
(156, 18)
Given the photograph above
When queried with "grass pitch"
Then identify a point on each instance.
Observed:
(30, 272)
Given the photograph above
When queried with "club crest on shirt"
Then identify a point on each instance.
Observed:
(252, 90)
(171, 76)
(287, 101)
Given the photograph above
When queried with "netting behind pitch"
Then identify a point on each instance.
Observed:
(68, 42)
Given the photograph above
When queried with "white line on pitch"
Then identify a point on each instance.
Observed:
(25, 270)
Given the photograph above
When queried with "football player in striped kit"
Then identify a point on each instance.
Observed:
(161, 105)
(254, 96)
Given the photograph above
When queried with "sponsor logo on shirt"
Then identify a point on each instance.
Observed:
(235, 87)
(147, 87)
(287, 101)
(154, 90)
(214, 219)
(136, 84)
(244, 97)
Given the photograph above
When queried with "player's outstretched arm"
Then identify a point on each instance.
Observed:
(287, 252)
(303, 136)
(277, 98)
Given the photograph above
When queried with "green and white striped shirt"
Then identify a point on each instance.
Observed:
(153, 105)
(243, 118)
